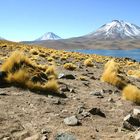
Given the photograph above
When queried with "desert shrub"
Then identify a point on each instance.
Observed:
(63, 58)
(15, 62)
(34, 51)
(22, 72)
(111, 75)
(50, 59)
(69, 66)
(51, 85)
(21, 77)
(88, 62)
(132, 93)
(42, 55)
(51, 71)
(134, 73)
(83, 78)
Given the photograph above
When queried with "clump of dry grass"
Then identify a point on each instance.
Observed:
(88, 62)
(69, 66)
(111, 75)
(34, 51)
(63, 58)
(22, 72)
(83, 78)
(50, 59)
(134, 73)
(51, 71)
(51, 85)
(132, 93)
(20, 77)
(15, 62)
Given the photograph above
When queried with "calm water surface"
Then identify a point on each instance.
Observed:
(134, 54)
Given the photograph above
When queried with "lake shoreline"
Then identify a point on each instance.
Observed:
(132, 54)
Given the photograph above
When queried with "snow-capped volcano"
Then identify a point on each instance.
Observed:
(117, 29)
(48, 36)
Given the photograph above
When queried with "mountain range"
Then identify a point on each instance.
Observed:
(117, 34)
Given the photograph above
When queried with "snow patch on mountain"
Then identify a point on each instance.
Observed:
(48, 36)
(117, 29)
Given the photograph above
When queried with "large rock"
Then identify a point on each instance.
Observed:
(71, 121)
(132, 121)
(64, 136)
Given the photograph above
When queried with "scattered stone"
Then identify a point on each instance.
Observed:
(46, 130)
(128, 126)
(22, 135)
(72, 90)
(111, 100)
(71, 121)
(92, 77)
(80, 109)
(66, 76)
(107, 91)
(55, 101)
(97, 93)
(34, 137)
(7, 138)
(136, 111)
(137, 136)
(132, 121)
(86, 83)
(85, 114)
(91, 73)
(64, 88)
(97, 111)
(64, 136)
(3, 93)
(44, 138)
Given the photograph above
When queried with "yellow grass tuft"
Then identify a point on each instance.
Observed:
(88, 62)
(69, 66)
(111, 75)
(14, 62)
(51, 85)
(22, 72)
(34, 51)
(50, 59)
(51, 71)
(83, 78)
(132, 93)
(20, 77)
(134, 73)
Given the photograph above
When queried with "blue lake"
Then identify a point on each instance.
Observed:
(134, 54)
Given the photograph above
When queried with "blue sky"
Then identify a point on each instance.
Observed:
(29, 19)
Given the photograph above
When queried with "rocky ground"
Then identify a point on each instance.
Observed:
(90, 109)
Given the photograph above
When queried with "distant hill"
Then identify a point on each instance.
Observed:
(117, 34)
(1, 38)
